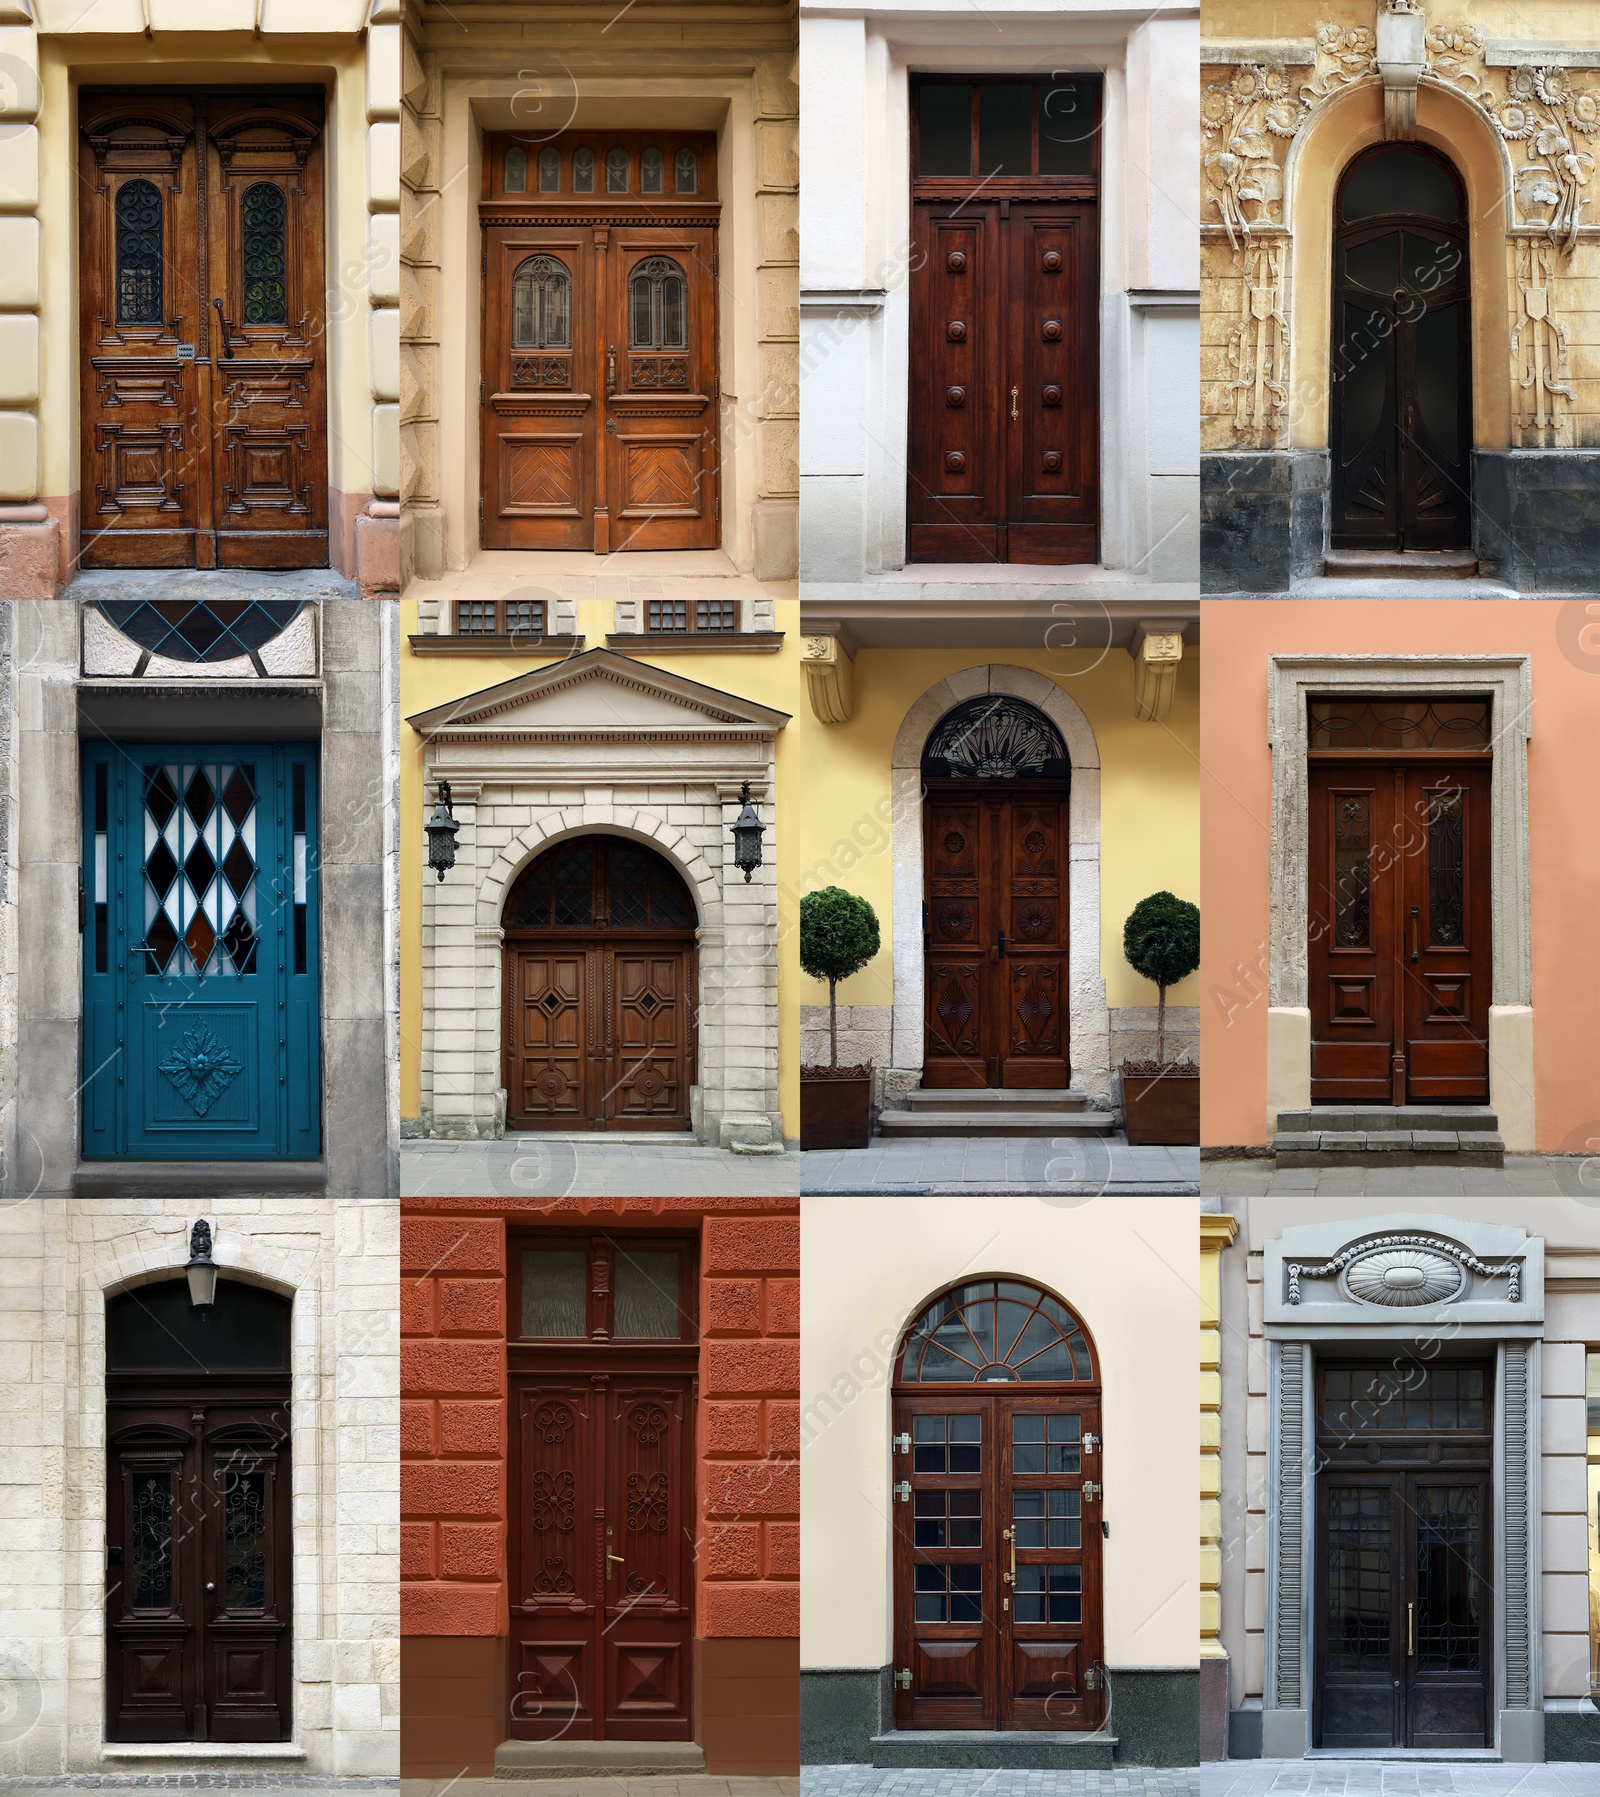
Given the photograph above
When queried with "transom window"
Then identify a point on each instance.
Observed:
(541, 305)
(1357, 1400)
(1006, 129)
(201, 629)
(598, 883)
(155, 1328)
(1379, 722)
(996, 1330)
(605, 1287)
(658, 305)
(1401, 181)
(995, 738)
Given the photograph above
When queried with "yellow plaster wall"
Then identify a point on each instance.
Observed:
(426, 681)
(175, 59)
(1149, 798)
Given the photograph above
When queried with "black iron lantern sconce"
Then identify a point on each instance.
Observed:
(442, 828)
(202, 1269)
(747, 832)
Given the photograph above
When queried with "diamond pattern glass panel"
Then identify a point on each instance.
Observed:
(200, 865)
(201, 629)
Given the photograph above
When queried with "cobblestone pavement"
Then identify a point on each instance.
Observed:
(551, 1166)
(1129, 1781)
(1067, 1166)
(1392, 1778)
(1523, 1176)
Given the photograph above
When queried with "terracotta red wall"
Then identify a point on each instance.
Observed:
(454, 1617)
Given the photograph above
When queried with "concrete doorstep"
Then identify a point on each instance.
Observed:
(594, 1759)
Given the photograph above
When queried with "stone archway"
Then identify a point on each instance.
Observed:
(1090, 1020)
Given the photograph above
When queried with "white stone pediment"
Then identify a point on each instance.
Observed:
(598, 695)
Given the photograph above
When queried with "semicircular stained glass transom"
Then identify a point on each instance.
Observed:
(996, 1331)
(995, 737)
(600, 883)
(201, 629)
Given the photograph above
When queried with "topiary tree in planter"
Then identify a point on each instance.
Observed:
(1161, 941)
(838, 937)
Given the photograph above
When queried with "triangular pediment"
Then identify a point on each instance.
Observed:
(598, 693)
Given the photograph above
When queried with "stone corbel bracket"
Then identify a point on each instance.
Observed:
(830, 678)
(1157, 651)
(1402, 57)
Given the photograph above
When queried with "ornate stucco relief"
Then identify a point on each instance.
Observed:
(1258, 348)
(1540, 379)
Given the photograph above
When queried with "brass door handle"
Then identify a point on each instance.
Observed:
(1413, 932)
(610, 1558)
(1411, 1631)
(611, 370)
(227, 347)
(1011, 1536)
(1014, 412)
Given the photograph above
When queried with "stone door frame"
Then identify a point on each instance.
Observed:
(1089, 1017)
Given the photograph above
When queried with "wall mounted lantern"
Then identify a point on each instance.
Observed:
(442, 828)
(747, 833)
(202, 1269)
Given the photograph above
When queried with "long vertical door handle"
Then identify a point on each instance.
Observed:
(1413, 932)
(1011, 1536)
(1411, 1631)
(1002, 945)
(1014, 412)
(222, 319)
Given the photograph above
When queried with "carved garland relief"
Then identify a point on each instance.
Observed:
(1250, 116)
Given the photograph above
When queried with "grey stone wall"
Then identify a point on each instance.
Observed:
(1536, 518)
(1263, 520)
(865, 1034)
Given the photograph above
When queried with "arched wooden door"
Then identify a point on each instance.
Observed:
(1401, 374)
(995, 927)
(599, 985)
(998, 1500)
(199, 1590)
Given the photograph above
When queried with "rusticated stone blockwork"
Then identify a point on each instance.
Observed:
(453, 1412)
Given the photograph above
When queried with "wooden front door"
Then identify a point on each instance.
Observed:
(1004, 414)
(996, 944)
(602, 1488)
(599, 397)
(204, 354)
(199, 1594)
(599, 981)
(996, 1512)
(1401, 376)
(1404, 1639)
(1400, 966)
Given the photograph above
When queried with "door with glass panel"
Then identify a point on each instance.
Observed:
(1404, 1603)
(201, 982)
(997, 1515)
(1003, 448)
(599, 394)
(1401, 397)
(199, 1587)
(603, 1353)
(1400, 968)
(204, 343)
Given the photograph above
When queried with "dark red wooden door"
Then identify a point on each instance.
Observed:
(204, 359)
(1004, 396)
(600, 342)
(199, 1599)
(1400, 962)
(997, 1561)
(996, 974)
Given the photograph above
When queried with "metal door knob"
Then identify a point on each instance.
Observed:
(210, 1586)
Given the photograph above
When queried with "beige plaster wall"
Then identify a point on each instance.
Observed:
(1129, 1268)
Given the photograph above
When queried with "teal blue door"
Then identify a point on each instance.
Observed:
(200, 969)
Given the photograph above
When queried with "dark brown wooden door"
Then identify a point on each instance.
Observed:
(1401, 386)
(1400, 965)
(601, 1552)
(997, 933)
(204, 374)
(1004, 416)
(600, 343)
(997, 1561)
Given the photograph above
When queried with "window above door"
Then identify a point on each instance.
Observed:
(1005, 128)
(587, 167)
(600, 1288)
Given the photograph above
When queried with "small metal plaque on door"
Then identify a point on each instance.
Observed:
(185, 352)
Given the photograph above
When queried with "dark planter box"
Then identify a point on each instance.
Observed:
(1162, 1109)
(836, 1113)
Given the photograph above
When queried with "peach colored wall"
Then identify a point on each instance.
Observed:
(1562, 638)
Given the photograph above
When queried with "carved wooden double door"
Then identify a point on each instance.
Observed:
(996, 935)
(1400, 966)
(199, 1599)
(602, 1491)
(1004, 412)
(599, 397)
(204, 346)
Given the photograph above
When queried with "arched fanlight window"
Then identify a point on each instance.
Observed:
(583, 171)
(616, 171)
(996, 1331)
(658, 305)
(541, 305)
(139, 248)
(1399, 179)
(262, 214)
(995, 737)
(686, 172)
(516, 169)
(550, 170)
(599, 883)
(652, 171)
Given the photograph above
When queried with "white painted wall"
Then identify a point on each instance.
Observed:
(1129, 1267)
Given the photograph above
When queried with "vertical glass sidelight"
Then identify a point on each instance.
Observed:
(1447, 869)
(139, 231)
(299, 828)
(101, 874)
(150, 1547)
(1352, 871)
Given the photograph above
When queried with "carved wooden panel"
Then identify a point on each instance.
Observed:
(541, 475)
(551, 1020)
(649, 1007)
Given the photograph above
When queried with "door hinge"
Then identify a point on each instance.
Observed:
(480, 512)
(485, 263)
(1091, 1679)
(903, 1491)
(716, 510)
(83, 907)
(902, 1444)
(1091, 1444)
(1092, 1491)
(902, 1678)
(482, 393)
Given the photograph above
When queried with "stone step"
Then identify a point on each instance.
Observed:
(599, 1759)
(1389, 1148)
(1460, 1119)
(996, 1122)
(1401, 564)
(976, 1749)
(1006, 1098)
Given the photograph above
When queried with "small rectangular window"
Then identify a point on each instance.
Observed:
(553, 1301)
(647, 1296)
(667, 615)
(944, 129)
(299, 783)
(1067, 127)
(716, 614)
(477, 617)
(524, 617)
(1005, 129)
